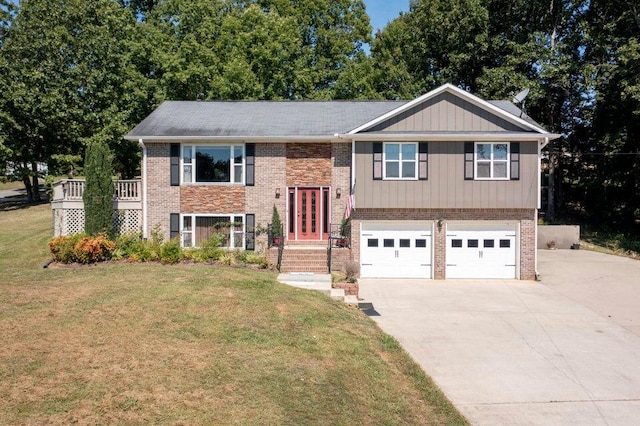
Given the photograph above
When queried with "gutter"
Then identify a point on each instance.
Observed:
(144, 188)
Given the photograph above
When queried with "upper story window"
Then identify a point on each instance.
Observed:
(213, 163)
(492, 160)
(400, 160)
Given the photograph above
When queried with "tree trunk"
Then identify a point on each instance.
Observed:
(26, 180)
(36, 184)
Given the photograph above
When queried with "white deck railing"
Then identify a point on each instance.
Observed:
(72, 190)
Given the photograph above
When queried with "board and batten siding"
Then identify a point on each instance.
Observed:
(446, 112)
(446, 186)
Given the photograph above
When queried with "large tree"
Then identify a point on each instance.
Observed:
(65, 76)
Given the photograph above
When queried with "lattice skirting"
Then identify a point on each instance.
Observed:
(71, 221)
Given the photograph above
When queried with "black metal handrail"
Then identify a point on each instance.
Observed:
(275, 237)
(338, 238)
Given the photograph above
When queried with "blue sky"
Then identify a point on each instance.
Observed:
(382, 12)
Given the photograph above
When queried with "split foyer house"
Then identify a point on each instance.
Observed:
(443, 186)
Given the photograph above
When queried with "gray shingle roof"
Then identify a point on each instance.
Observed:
(512, 109)
(261, 118)
(269, 118)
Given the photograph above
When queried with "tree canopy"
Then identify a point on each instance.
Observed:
(72, 72)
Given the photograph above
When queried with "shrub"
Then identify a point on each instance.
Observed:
(93, 249)
(254, 258)
(171, 252)
(98, 192)
(81, 248)
(133, 247)
(351, 270)
(226, 259)
(210, 249)
(62, 247)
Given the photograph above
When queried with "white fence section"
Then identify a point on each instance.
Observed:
(68, 207)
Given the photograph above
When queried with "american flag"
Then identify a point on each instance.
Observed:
(347, 212)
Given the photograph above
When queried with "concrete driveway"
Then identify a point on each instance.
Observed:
(517, 352)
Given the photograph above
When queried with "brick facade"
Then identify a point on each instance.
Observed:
(280, 165)
(270, 174)
(162, 198)
(525, 217)
(340, 178)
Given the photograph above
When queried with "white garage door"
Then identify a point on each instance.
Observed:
(395, 250)
(485, 250)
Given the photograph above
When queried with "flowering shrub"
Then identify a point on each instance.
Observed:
(62, 248)
(81, 248)
(93, 249)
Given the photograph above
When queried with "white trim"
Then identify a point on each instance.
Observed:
(413, 136)
(400, 161)
(240, 139)
(457, 92)
(144, 188)
(539, 202)
(232, 163)
(491, 161)
(450, 136)
(231, 216)
(353, 176)
(535, 251)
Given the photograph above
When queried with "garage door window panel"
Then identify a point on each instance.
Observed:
(404, 243)
(372, 242)
(388, 243)
(457, 243)
(488, 244)
(472, 243)
(421, 243)
(505, 243)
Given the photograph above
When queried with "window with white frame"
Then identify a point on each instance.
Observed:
(196, 229)
(400, 160)
(213, 163)
(492, 160)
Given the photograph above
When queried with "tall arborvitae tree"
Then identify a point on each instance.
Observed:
(98, 191)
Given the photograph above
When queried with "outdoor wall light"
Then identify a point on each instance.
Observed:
(439, 223)
(277, 192)
(338, 192)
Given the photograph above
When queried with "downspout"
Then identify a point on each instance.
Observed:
(539, 205)
(144, 188)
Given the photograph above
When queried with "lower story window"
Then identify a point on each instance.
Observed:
(229, 229)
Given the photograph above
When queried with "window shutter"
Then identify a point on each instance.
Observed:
(250, 171)
(175, 164)
(423, 164)
(250, 240)
(174, 225)
(468, 160)
(377, 161)
(515, 160)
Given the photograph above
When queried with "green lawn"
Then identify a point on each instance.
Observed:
(189, 344)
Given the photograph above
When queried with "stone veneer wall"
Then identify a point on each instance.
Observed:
(162, 198)
(212, 199)
(308, 164)
(526, 218)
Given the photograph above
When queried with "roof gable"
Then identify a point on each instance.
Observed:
(449, 108)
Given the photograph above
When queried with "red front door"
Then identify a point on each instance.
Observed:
(308, 213)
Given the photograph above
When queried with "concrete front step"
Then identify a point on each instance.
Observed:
(318, 282)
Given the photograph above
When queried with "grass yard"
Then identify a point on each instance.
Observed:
(189, 344)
